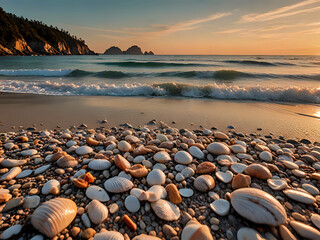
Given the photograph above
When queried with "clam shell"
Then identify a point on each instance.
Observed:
(277, 184)
(258, 171)
(218, 148)
(245, 233)
(109, 235)
(118, 185)
(83, 150)
(67, 162)
(9, 163)
(204, 183)
(155, 193)
(145, 237)
(258, 206)
(137, 192)
(121, 162)
(225, 177)
(156, 177)
(166, 210)
(162, 157)
(99, 164)
(51, 217)
(183, 157)
(132, 204)
(97, 212)
(11, 174)
(299, 196)
(305, 231)
(196, 231)
(196, 152)
(98, 193)
(51, 187)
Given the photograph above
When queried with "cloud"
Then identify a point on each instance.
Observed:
(281, 12)
(229, 31)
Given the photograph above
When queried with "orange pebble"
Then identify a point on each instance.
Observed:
(129, 222)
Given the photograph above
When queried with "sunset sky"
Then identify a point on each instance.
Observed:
(184, 26)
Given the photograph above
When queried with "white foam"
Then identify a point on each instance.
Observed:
(36, 72)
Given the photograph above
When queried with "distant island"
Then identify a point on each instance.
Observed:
(133, 50)
(20, 36)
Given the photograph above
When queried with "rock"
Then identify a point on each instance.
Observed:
(12, 203)
(225, 177)
(124, 146)
(169, 231)
(299, 196)
(133, 50)
(277, 184)
(173, 194)
(241, 181)
(305, 231)
(245, 233)
(156, 177)
(162, 157)
(195, 230)
(98, 193)
(132, 204)
(286, 234)
(258, 171)
(31, 201)
(113, 51)
(186, 192)
(220, 207)
(205, 168)
(217, 148)
(11, 231)
(196, 152)
(84, 150)
(204, 183)
(315, 219)
(265, 156)
(183, 157)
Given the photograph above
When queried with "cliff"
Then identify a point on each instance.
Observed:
(133, 50)
(20, 36)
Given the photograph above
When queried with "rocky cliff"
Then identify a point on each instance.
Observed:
(20, 36)
(133, 50)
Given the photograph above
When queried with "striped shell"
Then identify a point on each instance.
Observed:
(258, 206)
(196, 231)
(166, 210)
(118, 185)
(97, 212)
(51, 217)
(145, 237)
(99, 164)
(109, 235)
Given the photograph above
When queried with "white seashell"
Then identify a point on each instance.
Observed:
(258, 206)
(196, 231)
(9, 163)
(299, 196)
(8, 146)
(238, 167)
(145, 237)
(305, 231)
(156, 192)
(24, 173)
(79, 173)
(166, 210)
(51, 217)
(31, 201)
(118, 185)
(218, 148)
(51, 187)
(238, 148)
(265, 156)
(220, 207)
(11, 174)
(86, 221)
(83, 150)
(29, 152)
(97, 212)
(183, 157)
(11, 231)
(137, 192)
(156, 177)
(124, 146)
(245, 233)
(132, 203)
(277, 184)
(204, 183)
(41, 169)
(309, 188)
(97, 193)
(108, 235)
(186, 192)
(315, 219)
(225, 177)
(99, 164)
(162, 157)
(196, 152)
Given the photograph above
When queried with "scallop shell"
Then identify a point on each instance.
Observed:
(9, 163)
(51, 217)
(204, 183)
(258, 206)
(118, 185)
(196, 231)
(258, 171)
(299, 196)
(99, 164)
(121, 162)
(11, 174)
(277, 184)
(97, 212)
(145, 237)
(183, 157)
(109, 235)
(162, 157)
(166, 210)
(51, 187)
(137, 171)
(67, 162)
(98, 193)
(156, 177)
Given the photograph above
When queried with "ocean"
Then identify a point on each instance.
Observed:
(291, 79)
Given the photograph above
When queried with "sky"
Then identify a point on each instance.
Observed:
(237, 27)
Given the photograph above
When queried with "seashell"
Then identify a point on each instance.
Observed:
(305, 231)
(108, 235)
(11, 231)
(225, 177)
(299, 196)
(162, 157)
(309, 188)
(258, 171)
(238, 167)
(218, 148)
(266, 156)
(67, 162)
(285, 233)
(51, 217)
(238, 148)
(196, 152)
(142, 150)
(137, 171)
(258, 206)
(29, 152)
(132, 139)
(220, 207)
(51, 187)
(31, 201)
(99, 164)
(196, 231)
(155, 193)
(9, 163)
(204, 183)
(97, 193)
(5, 195)
(206, 167)
(183, 157)
(118, 185)
(145, 237)
(124, 146)
(186, 192)
(156, 177)
(11, 174)
(241, 181)
(83, 150)
(128, 221)
(166, 210)
(92, 142)
(277, 184)
(41, 169)
(137, 192)
(121, 162)
(89, 178)
(173, 194)
(56, 156)
(246, 233)
(132, 203)
(80, 183)
(315, 219)
(97, 212)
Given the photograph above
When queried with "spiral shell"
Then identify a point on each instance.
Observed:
(109, 235)
(51, 217)
(166, 210)
(196, 231)
(204, 183)
(258, 206)
(118, 185)
(97, 212)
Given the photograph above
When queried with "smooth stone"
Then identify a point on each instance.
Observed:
(86, 221)
(29, 152)
(218, 148)
(156, 177)
(299, 196)
(245, 233)
(196, 152)
(83, 150)
(11, 204)
(41, 169)
(24, 173)
(277, 184)
(183, 157)
(132, 204)
(238, 148)
(290, 165)
(186, 192)
(124, 146)
(299, 173)
(310, 189)
(265, 156)
(220, 207)
(139, 159)
(162, 157)
(305, 231)
(99, 164)
(315, 219)
(31, 201)
(11, 231)
(238, 167)
(225, 177)
(98, 193)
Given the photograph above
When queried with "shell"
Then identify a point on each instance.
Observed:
(245, 233)
(11, 231)
(11, 174)
(204, 183)
(142, 150)
(51, 217)
(80, 183)
(137, 171)
(305, 231)
(145, 237)
(258, 171)
(183, 157)
(218, 148)
(220, 207)
(97, 212)
(92, 142)
(129, 222)
(155, 193)
(83, 150)
(277, 184)
(99, 164)
(51, 187)
(206, 167)
(121, 162)
(299, 196)
(173, 193)
(166, 210)
(162, 157)
(196, 152)
(137, 193)
(9, 163)
(67, 162)
(258, 206)
(156, 177)
(132, 139)
(118, 185)
(196, 231)
(132, 204)
(124, 146)
(109, 235)
(225, 177)
(241, 181)
(98, 193)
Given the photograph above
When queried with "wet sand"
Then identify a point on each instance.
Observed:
(293, 121)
